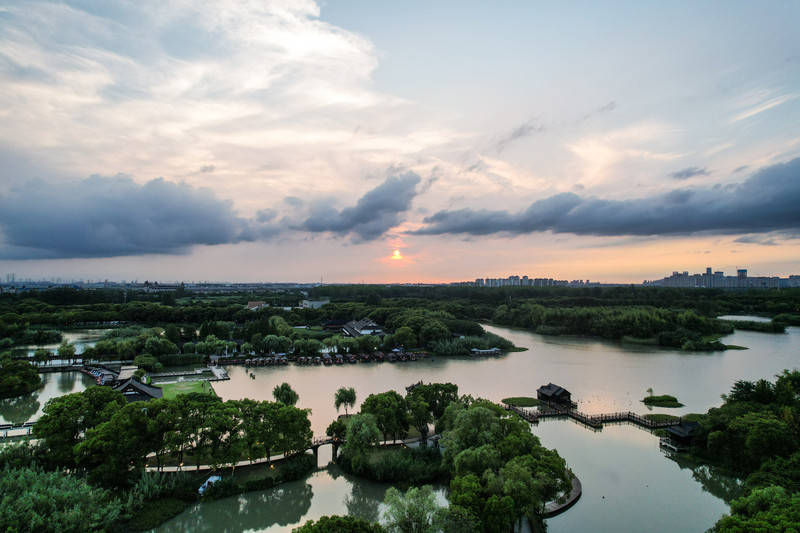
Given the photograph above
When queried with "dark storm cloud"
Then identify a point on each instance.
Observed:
(690, 172)
(375, 213)
(766, 201)
(115, 216)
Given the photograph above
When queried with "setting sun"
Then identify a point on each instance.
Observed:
(397, 256)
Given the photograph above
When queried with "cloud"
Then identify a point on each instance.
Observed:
(115, 216)
(766, 201)
(607, 108)
(207, 168)
(689, 172)
(523, 130)
(756, 239)
(373, 215)
(764, 105)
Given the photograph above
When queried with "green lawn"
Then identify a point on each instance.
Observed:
(171, 390)
(521, 401)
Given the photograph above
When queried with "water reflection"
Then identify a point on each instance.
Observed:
(66, 381)
(29, 407)
(714, 480)
(281, 506)
(362, 502)
(20, 409)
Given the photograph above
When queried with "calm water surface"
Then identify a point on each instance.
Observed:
(81, 338)
(29, 407)
(629, 485)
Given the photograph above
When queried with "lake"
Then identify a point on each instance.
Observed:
(629, 484)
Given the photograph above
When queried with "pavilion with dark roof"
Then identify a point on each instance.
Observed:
(135, 391)
(554, 393)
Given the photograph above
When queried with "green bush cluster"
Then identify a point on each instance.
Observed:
(756, 434)
(407, 465)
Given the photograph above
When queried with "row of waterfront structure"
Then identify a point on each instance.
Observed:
(525, 281)
(718, 280)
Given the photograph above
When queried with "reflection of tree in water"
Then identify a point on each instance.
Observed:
(283, 505)
(364, 502)
(66, 381)
(714, 480)
(20, 409)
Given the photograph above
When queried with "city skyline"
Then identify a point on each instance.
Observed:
(364, 142)
(710, 278)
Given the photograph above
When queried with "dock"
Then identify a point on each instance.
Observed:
(553, 410)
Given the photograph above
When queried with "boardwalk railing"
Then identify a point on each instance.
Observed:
(594, 421)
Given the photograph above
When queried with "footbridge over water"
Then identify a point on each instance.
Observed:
(553, 410)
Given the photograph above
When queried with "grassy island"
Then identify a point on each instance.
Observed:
(521, 401)
(664, 400)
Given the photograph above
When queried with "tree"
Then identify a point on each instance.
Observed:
(223, 432)
(389, 410)
(339, 524)
(337, 430)
(172, 333)
(416, 511)
(284, 394)
(437, 395)
(263, 429)
(404, 336)
(367, 343)
(294, 429)
(114, 453)
(66, 351)
(66, 418)
(433, 332)
(457, 519)
(17, 377)
(348, 344)
(770, 509)
(145, 361)
(420, 414)
(344, 396)
(362, 433)
(41, 355)
(34, 500)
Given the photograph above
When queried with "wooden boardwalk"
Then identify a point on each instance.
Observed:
(593, 421)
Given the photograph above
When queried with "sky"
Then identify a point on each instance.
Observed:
(380, 142)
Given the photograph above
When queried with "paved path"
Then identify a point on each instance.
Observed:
(557, 507)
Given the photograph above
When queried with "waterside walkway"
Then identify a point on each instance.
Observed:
(593, 421)
(557, 507)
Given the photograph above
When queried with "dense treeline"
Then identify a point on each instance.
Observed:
(756, 433)
(96, 432)
(680, 329)
(433, 314)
